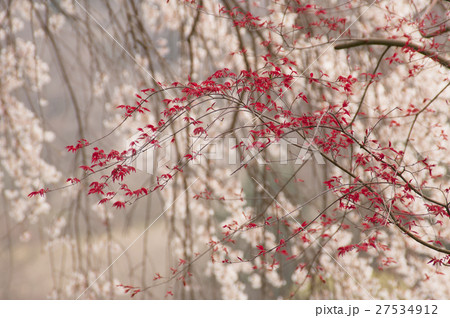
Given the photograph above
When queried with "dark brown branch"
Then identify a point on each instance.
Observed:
(398, 43)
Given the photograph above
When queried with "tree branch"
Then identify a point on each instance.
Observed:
(398, 43)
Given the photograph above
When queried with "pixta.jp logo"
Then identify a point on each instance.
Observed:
(146, 155)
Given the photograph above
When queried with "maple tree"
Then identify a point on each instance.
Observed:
(331, 118)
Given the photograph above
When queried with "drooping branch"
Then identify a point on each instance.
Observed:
(441, 31)
(349, 43)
